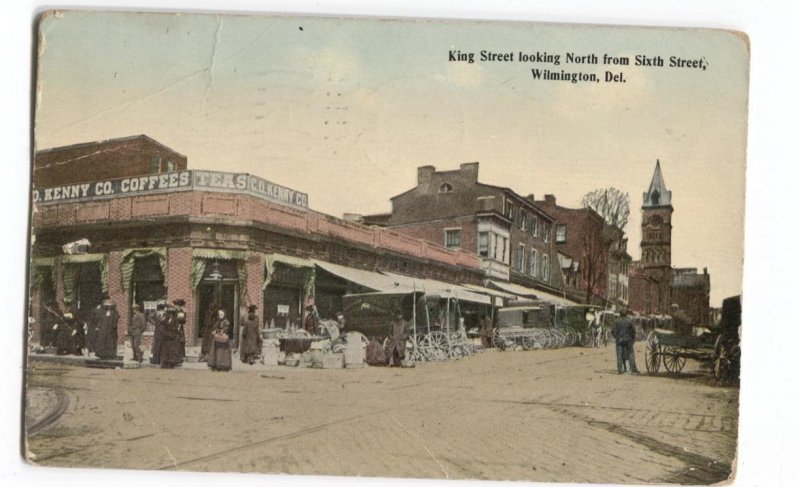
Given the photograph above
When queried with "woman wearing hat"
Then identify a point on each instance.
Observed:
(251, 339)
(219, 357)
(105, 346)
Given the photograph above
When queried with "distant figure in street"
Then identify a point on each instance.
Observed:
(64, 327)
(180, 315)
(681, 323)
(251, 339)
(396, 348)
(207, 331)
(93, 324)
(625, 335)
(158, 334)
(340, 321)
(486, 331)
(105, 346)
(171, 351)
(219, 357)
(138, 326)
(596, 329)
(311, 321)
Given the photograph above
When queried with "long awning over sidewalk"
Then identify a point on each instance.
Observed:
(368, 279)
(444, 289)
(531, 293)
(490, 292)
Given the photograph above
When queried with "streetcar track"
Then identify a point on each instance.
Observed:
(87, 447)
(612, 408)
(286, 436)
(52, 416)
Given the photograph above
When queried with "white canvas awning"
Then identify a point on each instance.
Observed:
(369, 279)
(531, 293)
(490, 292)
(444, 289)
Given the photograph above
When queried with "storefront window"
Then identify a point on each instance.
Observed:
(148, 288)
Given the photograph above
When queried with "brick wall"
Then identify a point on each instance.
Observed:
(111, 159)
(120, 296)
(179, 267)
(584, 237)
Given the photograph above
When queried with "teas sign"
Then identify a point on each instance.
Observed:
(175, 181)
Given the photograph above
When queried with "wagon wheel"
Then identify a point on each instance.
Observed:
(436, 346)
(673, 362)
(417, 353)
(498, 341)
(528, 341)
(651, 354)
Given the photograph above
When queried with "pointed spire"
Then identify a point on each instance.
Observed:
(657, 194)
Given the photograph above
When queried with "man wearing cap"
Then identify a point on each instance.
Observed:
(251, 339)
(396, 350)
(105, 346)
(625, 335)
(138, 326)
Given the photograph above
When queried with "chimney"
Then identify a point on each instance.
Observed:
(705, 270)
(469, 172)
(353, 217)
(424, 174)
(550, 199)
(532, 198)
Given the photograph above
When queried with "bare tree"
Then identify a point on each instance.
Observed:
(610, 203)
(594, 259)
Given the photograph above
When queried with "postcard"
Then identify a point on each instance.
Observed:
(386, 248)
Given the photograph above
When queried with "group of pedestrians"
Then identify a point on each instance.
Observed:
(98, 334)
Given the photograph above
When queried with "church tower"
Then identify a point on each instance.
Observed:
(657, 224)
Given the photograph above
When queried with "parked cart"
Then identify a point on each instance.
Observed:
(717, 347)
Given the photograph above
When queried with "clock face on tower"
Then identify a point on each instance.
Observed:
(655, 221)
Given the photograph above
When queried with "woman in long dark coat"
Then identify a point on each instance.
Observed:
(158, 334)
(207, 332)
(171, 350)
(251, 339)
(219, 357)
(64, 338)
(105, 346)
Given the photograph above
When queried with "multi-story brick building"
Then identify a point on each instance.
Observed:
(654, 284)
(593, 253)
(213, 237)
(108, 159)
(511, 235)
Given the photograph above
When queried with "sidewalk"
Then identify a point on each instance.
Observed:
(191, 362)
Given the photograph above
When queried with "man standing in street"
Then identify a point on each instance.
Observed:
(625, 335)
(250, 338)
(396, 349)
(138, 326)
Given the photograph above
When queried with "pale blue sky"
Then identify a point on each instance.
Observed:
(345, 110)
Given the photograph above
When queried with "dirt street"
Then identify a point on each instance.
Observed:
(550, 415)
